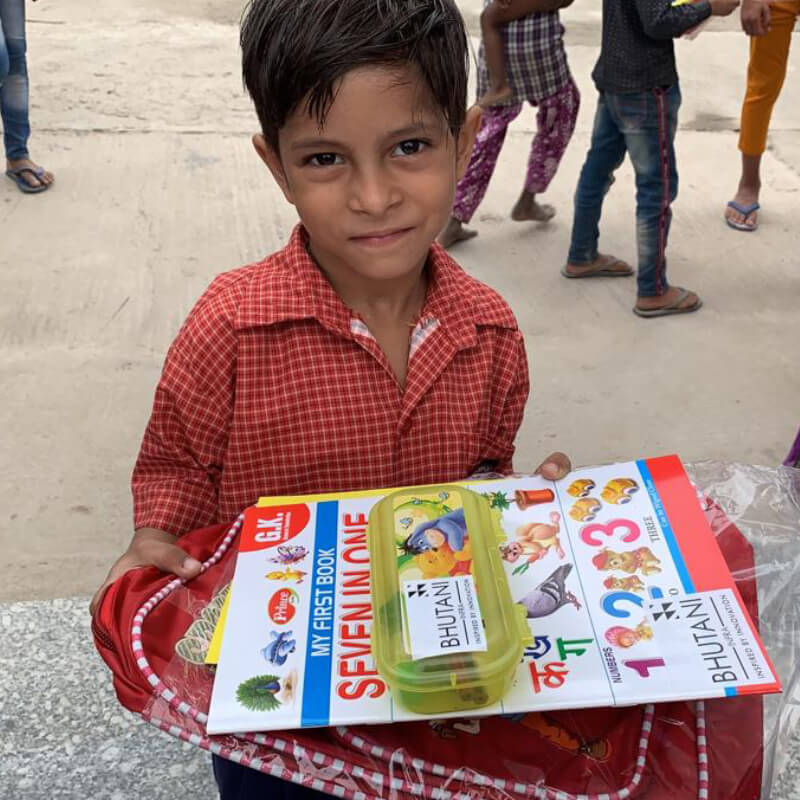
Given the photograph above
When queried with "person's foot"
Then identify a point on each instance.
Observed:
(495, 97)
(454, 232)
(603, 266)
(527, 209)
(36, 177)
(746, 197)
(675, 300)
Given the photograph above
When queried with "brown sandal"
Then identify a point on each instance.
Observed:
(673, 308)
(603, 269)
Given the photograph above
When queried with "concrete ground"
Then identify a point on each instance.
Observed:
(138, 109)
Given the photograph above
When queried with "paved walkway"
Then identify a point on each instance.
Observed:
(62, 734)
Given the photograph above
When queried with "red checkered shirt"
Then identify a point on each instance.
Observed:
(273, 386)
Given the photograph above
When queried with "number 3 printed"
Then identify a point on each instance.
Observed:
(609, 529)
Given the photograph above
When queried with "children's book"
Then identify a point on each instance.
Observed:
(615, 570)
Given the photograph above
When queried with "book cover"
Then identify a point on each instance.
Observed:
(625, 591)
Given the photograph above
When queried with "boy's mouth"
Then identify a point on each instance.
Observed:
(377, 238)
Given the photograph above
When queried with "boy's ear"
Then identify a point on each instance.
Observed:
(466, 139)
(273, 161)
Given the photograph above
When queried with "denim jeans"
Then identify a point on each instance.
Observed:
(14, 79)
(643, 124)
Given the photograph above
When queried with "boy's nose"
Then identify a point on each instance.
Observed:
(372, 192)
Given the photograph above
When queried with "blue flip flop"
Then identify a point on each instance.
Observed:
(745, 211)
(22, 184)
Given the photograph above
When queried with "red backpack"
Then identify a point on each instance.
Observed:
(669, 751)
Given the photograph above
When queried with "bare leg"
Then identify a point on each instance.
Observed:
(454, 232)
(499, 90)
(527, 209)
(748, 191)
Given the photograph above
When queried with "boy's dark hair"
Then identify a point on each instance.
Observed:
(298, 49)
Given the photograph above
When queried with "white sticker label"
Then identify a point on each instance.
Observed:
(712, 629)
(443, 616)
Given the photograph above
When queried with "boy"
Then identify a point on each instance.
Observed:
(532, 39)
(637, 112)
(361, 354)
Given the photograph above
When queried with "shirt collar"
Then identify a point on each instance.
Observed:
(290, 286)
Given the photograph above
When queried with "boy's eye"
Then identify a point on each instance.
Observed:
(324, 159)
(409, 147)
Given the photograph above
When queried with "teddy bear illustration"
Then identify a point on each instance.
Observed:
(630, 561)
(620, 636)
(631, 583)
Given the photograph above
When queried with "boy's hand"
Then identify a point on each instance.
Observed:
(149, 548)
(721, 8)
(554, 467)
(756, 17)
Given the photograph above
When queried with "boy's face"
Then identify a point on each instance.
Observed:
(375, 186)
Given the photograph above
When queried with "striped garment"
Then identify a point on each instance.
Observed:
(536, 62)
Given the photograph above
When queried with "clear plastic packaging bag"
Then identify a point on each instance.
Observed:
(764, 503)
(721, 749)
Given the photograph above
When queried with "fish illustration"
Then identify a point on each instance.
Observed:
(278, 650)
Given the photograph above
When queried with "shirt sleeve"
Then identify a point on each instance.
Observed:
(176, 479)
(661, 20)
(513, 406)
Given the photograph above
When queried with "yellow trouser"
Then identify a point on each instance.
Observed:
(765, 74)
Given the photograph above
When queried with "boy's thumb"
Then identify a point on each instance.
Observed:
(189, 567)
(177, 561)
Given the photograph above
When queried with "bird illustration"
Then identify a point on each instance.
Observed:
(550, 595)
(259, 693)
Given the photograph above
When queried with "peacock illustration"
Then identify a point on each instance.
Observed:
(259, 693)
(268, 692)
